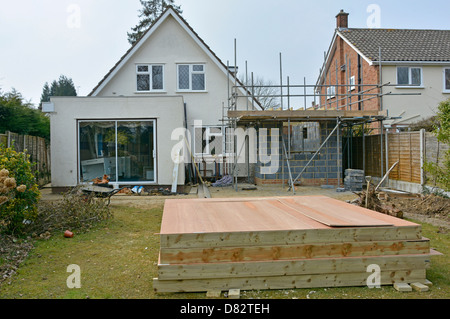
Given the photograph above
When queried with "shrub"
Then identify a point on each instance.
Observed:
(74, 211)
(19, 193)
(441, 171)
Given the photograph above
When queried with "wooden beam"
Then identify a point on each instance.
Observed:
(402, 287)
(213, 294)
(287, 282)
(290, 267)
(302, 114)
(234, 293)
(417, 286)
(289, 252)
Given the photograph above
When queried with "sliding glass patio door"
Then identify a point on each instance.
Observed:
(124, 150)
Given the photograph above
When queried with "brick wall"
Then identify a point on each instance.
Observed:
(342, 54)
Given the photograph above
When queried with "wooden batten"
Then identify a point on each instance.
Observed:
(303, 236)
(287, 282)
(288, 252)
(305, 115)
(291, 267)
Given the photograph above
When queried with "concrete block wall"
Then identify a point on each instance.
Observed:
(325, 168)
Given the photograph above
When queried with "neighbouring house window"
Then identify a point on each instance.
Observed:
(409, 76)
(331, 92)
(123, 150)
(352, 83)
(191, 77)
(149, 77)
(447, 80)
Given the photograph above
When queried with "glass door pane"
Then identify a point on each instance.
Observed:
(97, 150)
(135, 145)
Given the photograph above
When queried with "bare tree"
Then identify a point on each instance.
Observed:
(264, 91)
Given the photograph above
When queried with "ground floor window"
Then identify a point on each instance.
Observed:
(123, 150)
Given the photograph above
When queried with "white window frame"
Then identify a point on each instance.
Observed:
(191, 72)
(331, 92)
(409, 85)
(150, 74)
(352, 83)
(444, 89)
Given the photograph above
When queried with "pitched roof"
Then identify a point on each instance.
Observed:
(399, 45)
(168, 12)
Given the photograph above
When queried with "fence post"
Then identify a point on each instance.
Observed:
(422, 157)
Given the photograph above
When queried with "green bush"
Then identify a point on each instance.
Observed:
(440, 172)
(19, 191)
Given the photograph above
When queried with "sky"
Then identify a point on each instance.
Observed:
(83, 39)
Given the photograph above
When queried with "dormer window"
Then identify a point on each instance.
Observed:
(149, 77)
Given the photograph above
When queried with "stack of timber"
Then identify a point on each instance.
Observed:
(284, 243)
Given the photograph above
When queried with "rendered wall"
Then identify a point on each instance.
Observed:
(167, 111)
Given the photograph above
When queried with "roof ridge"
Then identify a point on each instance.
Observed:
(393, 29)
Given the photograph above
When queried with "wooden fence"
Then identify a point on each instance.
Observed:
(36, 147)
(365, 154)
(407, 148)
(410, 149)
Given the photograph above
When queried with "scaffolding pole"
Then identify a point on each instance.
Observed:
(291, 186)
(315, 154)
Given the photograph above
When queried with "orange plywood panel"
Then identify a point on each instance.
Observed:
(221, 215)
(335, 213)
(267, 214)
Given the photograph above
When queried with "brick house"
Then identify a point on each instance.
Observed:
(414, 75)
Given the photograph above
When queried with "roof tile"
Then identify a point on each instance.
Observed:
(401, 44)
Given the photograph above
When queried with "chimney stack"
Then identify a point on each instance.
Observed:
(342, 20)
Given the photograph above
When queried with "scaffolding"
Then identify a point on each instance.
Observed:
(329, 102)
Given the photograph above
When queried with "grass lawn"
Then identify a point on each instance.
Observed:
(119, 259)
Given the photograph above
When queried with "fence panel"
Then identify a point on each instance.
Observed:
(36, 147)
(405, 148)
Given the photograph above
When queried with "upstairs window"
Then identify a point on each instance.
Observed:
(149, 77)
(352, 84)
(331, 92)
(447, 80)
(409, 76)
(191, 77)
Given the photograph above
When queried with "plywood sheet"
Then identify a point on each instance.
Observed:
(335, 213)
(183, 216)
(221, 215)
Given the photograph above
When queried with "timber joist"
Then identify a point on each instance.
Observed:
(288, 252)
